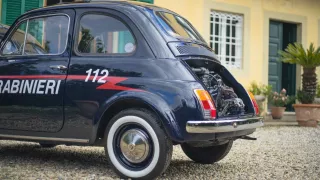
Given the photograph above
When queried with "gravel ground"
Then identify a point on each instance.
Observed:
(279, 153)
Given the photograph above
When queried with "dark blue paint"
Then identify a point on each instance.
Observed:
(166, 81)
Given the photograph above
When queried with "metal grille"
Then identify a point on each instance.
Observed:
(226, 34)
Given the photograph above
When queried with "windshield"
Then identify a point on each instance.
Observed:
(177, 26)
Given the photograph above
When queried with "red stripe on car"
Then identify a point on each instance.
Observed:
(109, 85)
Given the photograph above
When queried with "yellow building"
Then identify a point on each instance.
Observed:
(246, 34)
(262, 28)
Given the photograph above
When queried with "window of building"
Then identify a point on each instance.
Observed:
(226, 36)
(54, 2)
(109, 37)
(39, 36)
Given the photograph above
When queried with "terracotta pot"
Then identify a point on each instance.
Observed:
(308, 115)
(277, 112)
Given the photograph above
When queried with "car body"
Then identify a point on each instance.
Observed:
(133, 77)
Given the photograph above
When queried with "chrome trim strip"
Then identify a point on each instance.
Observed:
(223, 126)
(25, 37)
(35, 138)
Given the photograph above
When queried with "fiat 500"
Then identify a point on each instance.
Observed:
(133, 78)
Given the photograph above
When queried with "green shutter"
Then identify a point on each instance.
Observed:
(35, 29)
(147, 1)
(31, 4)
(12, 9)
(121, 42)
(37, 26)
(124, 38)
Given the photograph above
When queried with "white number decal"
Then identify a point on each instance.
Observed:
(89, 74)
(104, 72)
(96, 73)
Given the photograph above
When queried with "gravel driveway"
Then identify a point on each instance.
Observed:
(279, 153)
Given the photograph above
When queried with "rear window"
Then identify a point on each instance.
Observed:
(177, 26)
(102, 34)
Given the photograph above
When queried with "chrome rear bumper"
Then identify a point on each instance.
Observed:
(223, 125)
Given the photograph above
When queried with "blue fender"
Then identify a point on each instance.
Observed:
(158, 104)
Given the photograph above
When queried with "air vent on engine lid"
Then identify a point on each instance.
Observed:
(182, 49)
(188, 49)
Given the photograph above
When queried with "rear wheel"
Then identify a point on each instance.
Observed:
(207, 155)
(137, 146)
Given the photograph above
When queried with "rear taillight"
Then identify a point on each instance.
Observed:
(209, 110)
(254, 102)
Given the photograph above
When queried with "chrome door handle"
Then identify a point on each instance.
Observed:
(59, 67)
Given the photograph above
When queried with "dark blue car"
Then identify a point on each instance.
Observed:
(133, 78)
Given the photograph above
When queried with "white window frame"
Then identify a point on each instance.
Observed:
(230, 53)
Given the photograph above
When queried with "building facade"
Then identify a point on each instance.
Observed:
(245, 34)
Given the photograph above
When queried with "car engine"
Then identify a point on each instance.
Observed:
(226, 100)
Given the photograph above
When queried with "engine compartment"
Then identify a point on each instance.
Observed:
(226, 100)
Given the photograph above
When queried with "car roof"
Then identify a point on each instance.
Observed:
(100, 4)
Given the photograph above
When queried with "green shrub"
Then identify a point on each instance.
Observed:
(305, 97)
(309, 59)
(260, 89)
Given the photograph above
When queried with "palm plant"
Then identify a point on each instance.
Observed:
(309, 59)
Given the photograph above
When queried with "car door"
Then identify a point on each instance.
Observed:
(33, 69)
(109, 52)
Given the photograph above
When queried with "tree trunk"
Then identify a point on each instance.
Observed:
(309, 80)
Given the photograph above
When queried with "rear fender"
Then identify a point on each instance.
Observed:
(155, 102)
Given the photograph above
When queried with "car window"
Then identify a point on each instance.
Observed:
(47, 35)
(102, 34)
(39, 36)
(14, 45)
(177, 26)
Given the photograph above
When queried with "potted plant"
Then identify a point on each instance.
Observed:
(260, 92)
(307, 113)
(278, 102)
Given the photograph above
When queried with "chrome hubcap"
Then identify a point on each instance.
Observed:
(134, 146)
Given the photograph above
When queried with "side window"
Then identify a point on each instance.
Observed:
(39, 36)
(14, 45)
(102, 34)
(47, 35)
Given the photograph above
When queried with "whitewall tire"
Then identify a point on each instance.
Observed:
(136, 145)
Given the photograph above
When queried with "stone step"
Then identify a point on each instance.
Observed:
(280, 123)
(287, 117)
